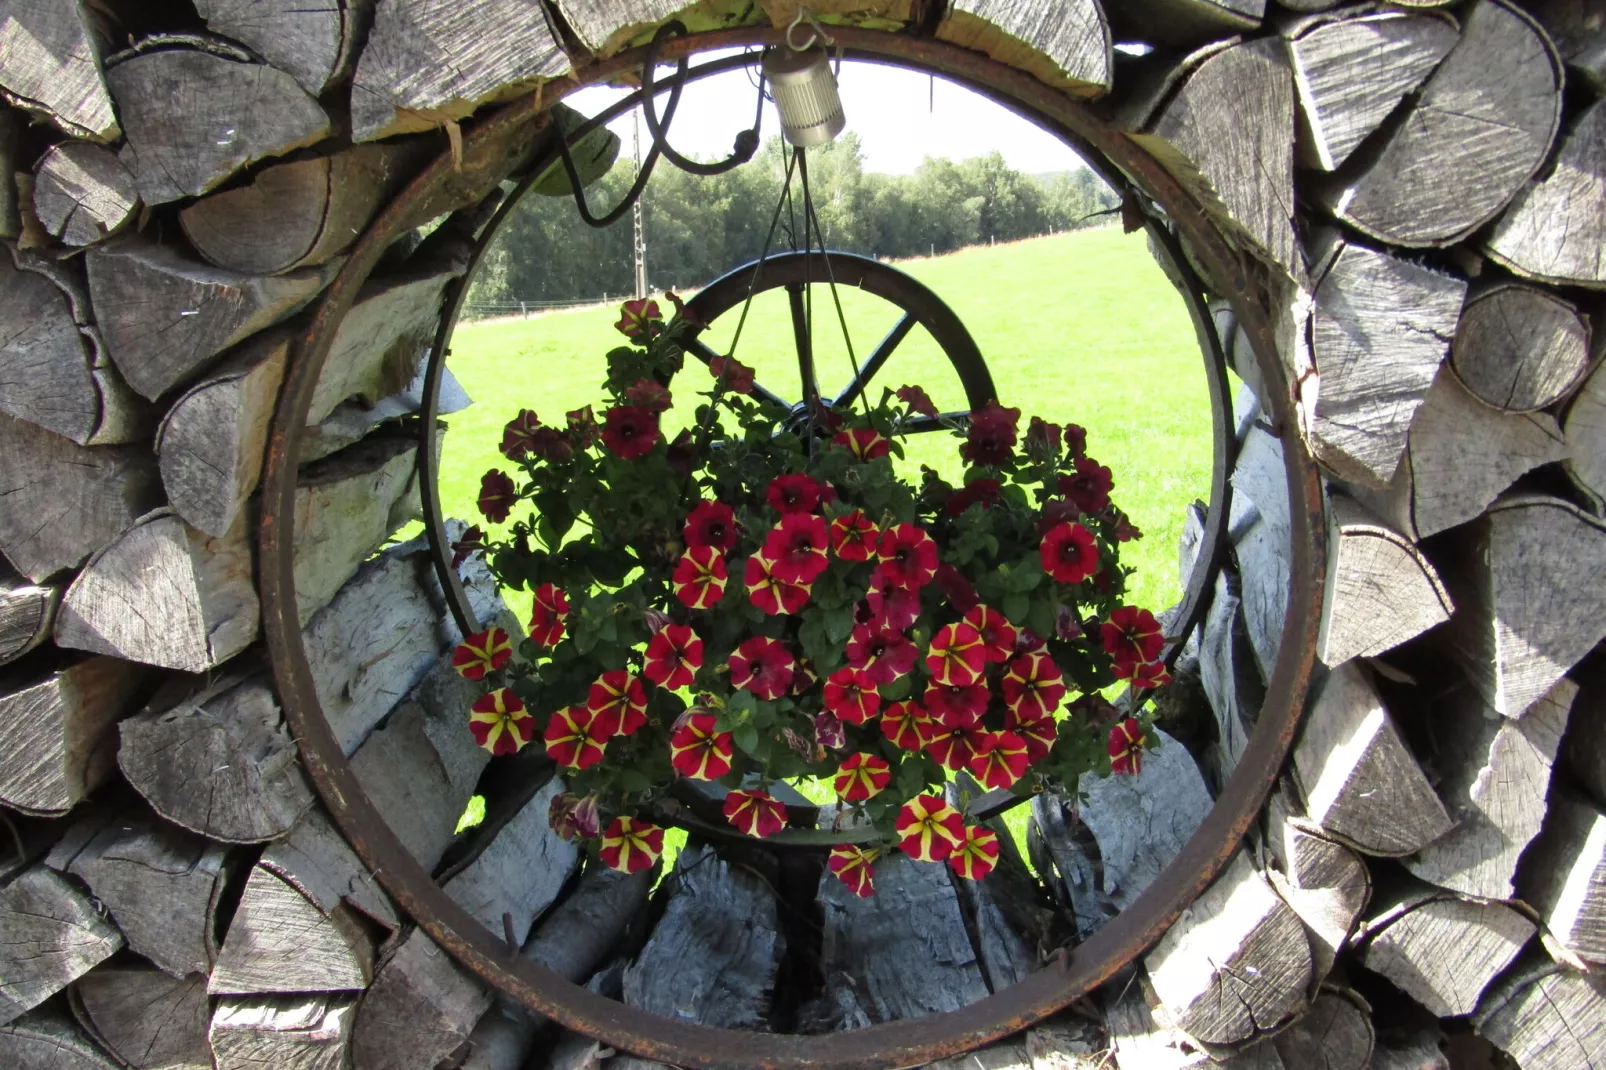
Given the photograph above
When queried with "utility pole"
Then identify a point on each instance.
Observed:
(639, 243)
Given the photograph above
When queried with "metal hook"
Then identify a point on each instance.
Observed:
(816, 32)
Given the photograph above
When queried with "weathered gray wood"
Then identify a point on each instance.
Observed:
(1522, 617)
(1335, 1034)
(50, 935)
(1380, 590)
(284, 1033)
(303, 212)
(1184, 23)
(27, 612)
(606, 26)
(220, 763)
(317, 862)
(1228, 136)
(1520, 348)
(430, 61)
(279, 941)
(316, 44)
(46, 1040)
(1460, 455)
(1548, 1018)
(1359, 781)
(1444, 952)
(1324, 882)
(1260, 531)
(165, 594)
(1549, 233)
(1585, 431)
(145, 1018)
(50, 65)
(1062, 851)
(12, 123)
(1583, 749)
(165, 317)
(1138, 1042)
(420, 1009)
(1353, 72)
(1419, 1050)
(1062, 1043)
(1578, 28)
(82, 193)
(1494, 773)
(354, 420)
(1564, 873)
(1236, 965)
(521, 871)
(1381, 328)
(194, 117)
(1227, 672)
(58, 732)
(1476, 134)
(1064, 44)
(1006, 912)
(160, 883)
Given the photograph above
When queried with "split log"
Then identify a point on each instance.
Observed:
(1066, 45)
(27, 613)
(1564, 874)
(1579, 32)
(46, 1040)
(1479, 130)
(145, 1018)
(1062, 850)
(1227, 672)
(1381, 328)
(1228, 136)
(279, 941)
(195, 117)
(315, 860)
(1494, 773)
(521, 871)
(1062, 1043)
(1459, 456)
(1322, 881)
(58, 733)
(354, 420)
(1180, 24)
(1260, 529)
(301, 213)
(1236, 965)
(1138, 1042)
(429, 61)
(1358, 780)
(1419, 1050)
(82, 193)
(1006, 911)
(1380, 590)
(1585, 431)
(286, 1033)
(50, 935)
(421, 1008)
(1548, 1018)
(1335, 1034)
(316, 44)
(161, 884)
(1522, 617)
(50, 66)
(165, 317)
(1352, 73)
(165, 594)
(1443, 951)
(1548, 233)
(1520, 348)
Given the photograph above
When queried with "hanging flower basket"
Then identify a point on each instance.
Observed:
(761, 599)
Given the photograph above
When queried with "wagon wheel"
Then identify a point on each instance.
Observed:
(919, 304)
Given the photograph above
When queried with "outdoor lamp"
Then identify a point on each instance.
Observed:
(805, 95)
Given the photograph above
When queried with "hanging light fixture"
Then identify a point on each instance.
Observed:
(805, 90)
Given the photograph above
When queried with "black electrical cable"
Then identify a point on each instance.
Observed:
(746, 141)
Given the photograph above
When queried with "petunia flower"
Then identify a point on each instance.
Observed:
(1002, 763)
(908, 556)
(568, 742)
(648, 394)
(582, 427)
(769, 592)
(976, 854)
(699, 577)
(481, 653)
(1089, 488)
(953, 706)
(639, 318)
(929, 829)
(754, 813)
(1042, 438)
(500, 722)
(956, 589)
(997, 634)
(803, 677)
(955, 748)
(1037, 733)
(763, 666)
(630, 431)
(738, 377)
(956, 655)
(1125, 530)
(907, 726)
(851, 696)
(881, 656)
(982, 492)
(1033, 685)
(1126, 747)
(796, 548)
(1132, 635)
(473, 541)
(917, 399)
(892, 608)
(1147, 674)
(574, 818)
(1076, 439)
(674, 655)
(630, 845)
(863, 442)
(551, 445)
(519, 435)
(861, 776)
(497, 495)
(697, 751)
(828, 731)
(711, 524)
(853, 867)
(854, 536)
(794, 492)
(617, 703)
(1068, 553)
(993, 432)
(548, 612)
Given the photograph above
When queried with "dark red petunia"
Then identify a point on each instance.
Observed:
(711, 524)
(907, 725)
(982, 492)
(796, 548)
(630, 431)
(738, 377)
(854, 536)
(1089, 488)
(1066, 626)
(673, 657)
(640, 318)
(1069, 554)
(993, 432)
(1145, 675)
(1033, 686)
(997, 634)
(892, 608)
(548, 612)
(863, 442)
(497, 495)
(958, 591)
(1056, 511)
(472, 541)
(956, 707)
(1042, 439)
(519, 435)
(793, 493)
(917, 399)
(682, 454)
(699, 577)
(769, 592)
(617, 704)
(1076, 439)
(582, 427)
(551, 445)
(881, 656)
(763, 666)
(683, 314)
(851, 696)
(1132, 635)
(648, 394)
(956, 656)
(803, 677)
(697, 751)
(908, 556)
(1126, 747)
(956, 748)
(1038, 733)
(754, 813)
(1125, 530)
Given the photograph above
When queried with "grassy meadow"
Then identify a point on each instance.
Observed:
(1079, 327)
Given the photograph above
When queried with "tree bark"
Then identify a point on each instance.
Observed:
(521, 871)
(145, 1018)
(279, 941)
(1066, 45)
(316, 44)
(1062, 851)
(166, 318)
(82, 193)
(420, 1009)
(1478, 131)
(194, 118)
(50, 935)
(1520, 348)
(285, 1033)
(317, 862)
(1260, 531)
(46, 1040)
(1548, 1018)
(1564, 874)
(429, 61)
(1322, 881)
(1335, 1034)
(58, 732)
(1380, 592)
(27, 613)
(1548, 233)
(50, 66)
(1443, 952)
(1585, 431)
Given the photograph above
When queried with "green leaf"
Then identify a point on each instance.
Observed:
(899, 689)
(632, 780)
(1015, 607)
(839, 623)
(1044, 617)
(745, 736)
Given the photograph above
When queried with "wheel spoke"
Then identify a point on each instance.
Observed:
(853, 390)
(700, 349)
(947, 421)
(805, 343)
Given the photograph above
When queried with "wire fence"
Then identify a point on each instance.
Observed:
(481, 310)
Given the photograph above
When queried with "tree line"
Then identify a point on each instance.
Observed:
(700, 228)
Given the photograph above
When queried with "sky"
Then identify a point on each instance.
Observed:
(897, 113)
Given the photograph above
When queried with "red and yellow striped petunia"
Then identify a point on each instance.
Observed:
(861, 776)
(630, 846)
(481, 653)
(929, 830)
(853, 867)
(976, 854)
(697, 751)
(755, 813)
(568, 739)
(500, 722)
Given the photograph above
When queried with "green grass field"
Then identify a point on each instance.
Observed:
(1079, 328)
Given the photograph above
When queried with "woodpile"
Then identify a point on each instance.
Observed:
(1415, 189)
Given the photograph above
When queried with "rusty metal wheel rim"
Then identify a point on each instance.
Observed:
(894, 1044)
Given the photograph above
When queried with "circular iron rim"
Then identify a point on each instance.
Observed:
(893, 1044)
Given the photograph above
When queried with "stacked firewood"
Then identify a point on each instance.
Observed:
(1417, 191)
